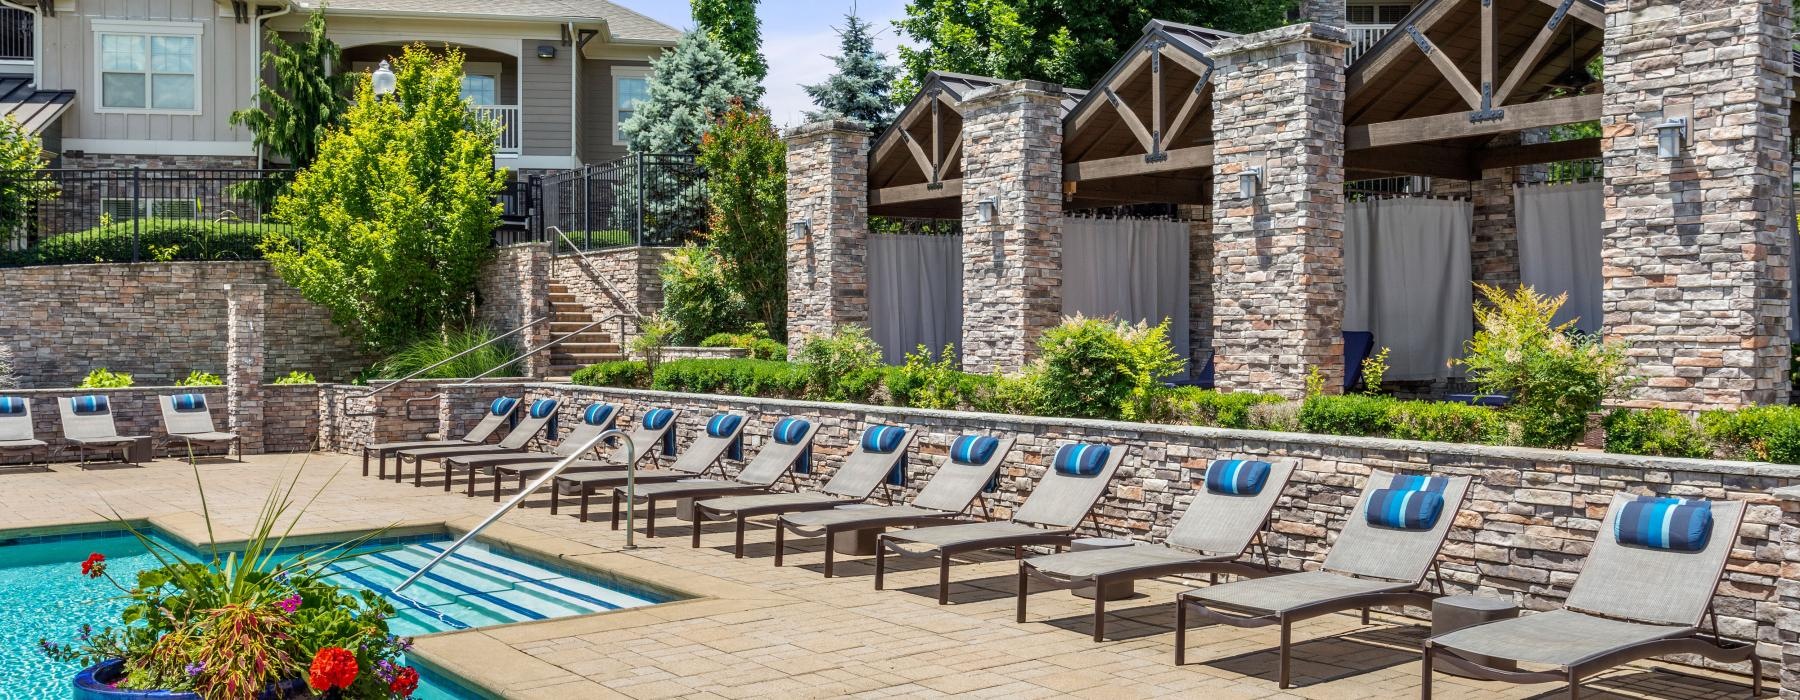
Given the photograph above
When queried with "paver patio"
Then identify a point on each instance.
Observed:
(756, 630)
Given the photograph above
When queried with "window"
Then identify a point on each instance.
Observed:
(148, 66)
(631, 85)
(481, 83)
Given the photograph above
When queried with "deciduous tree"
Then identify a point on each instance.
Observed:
(733, 25)
(21, 185)
(746, 179)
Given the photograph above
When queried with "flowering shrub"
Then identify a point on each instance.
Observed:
(233, 627)
(1555, 376)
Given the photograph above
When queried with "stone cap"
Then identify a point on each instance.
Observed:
(1306, 31)
(1016, 87)
(1790, 494)
(824, 126)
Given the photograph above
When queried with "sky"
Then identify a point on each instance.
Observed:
(798, 39)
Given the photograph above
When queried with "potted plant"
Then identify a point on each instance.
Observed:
(259, 623)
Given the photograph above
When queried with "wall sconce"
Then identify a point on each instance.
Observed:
(986, 210)
(1250, 182)
(382, 81)
(546, 51)
(1676, 131)
(802, 230)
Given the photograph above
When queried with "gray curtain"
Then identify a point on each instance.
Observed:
(915, 293)
(1406, 279)
(1130, 269)
(1559, 247)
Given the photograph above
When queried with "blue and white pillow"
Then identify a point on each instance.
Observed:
(656, 418)
(503, 406)
(790, 431)
(726, 425)
(1081, 458)
(1676, 524)
(973, 449)
(1237, 477)
(12, 405)
(1409, 502)
(882, 439)
(597, 414)
(188, 402)
(89, 405)
(543, 408)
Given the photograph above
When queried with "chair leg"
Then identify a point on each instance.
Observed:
(780, 534)
(522, 489)
(1019, 615)
(1574, 686)
(880, 562)
(469, 490)
(694, 532)
(1099, 609)
(650, 519)
(738, 551)
(830, 553)
(1756, 682)
(943, 578)
(555, 498)
(615, 509)
(1180, 630)
(1287, 630)
(366, 463)
(1425, 673)
(496, 482)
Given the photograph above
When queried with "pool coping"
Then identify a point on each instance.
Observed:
(486, 660)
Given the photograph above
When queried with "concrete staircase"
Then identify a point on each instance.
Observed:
(593, 345)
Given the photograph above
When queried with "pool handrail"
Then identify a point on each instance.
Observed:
(630, 491)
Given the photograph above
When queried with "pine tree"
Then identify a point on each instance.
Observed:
(858, 91)
(305, 102)
(690, 87)
(733, 25)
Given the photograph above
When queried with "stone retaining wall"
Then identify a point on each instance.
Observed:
(1528, 524)
(348, 419)
(290, 416)
(634, 274)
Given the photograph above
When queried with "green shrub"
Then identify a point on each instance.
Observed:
(632, 374)
(297, 377)
(425, 353)
(1762, 433)
(103, 378)
(844, 365)
(1445, 422)
(924, 382)
(589, 240)
(157, 239)
(1348, 414)
(755, 341)
(696, 296)
(735, 377)
(655, 332)
(1658, 432)
(1554, 376)
(1018, 394)
(1195, 406)
(199, 378)
(1094, 368)
(1280, 416)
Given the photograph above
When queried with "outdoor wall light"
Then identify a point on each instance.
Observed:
(1671, 137)
(986, 210)
(383, 81)
(802, 229)
(546, 51)
(1250, 181)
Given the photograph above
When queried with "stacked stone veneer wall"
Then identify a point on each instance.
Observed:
(513, 289)
(290, 416)
(828, 189)
(1528, 524)
(349, 418)
(615, 280)
(1696, 249)
(157, 321)
(1787, 592)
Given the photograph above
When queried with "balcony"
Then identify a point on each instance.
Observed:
(1364, 36)
(507, 116)
(15, 36)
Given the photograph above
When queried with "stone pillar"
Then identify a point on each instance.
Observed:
(1331, 12)
(1279, 286)
(1787, 593)
(1012, 266)
(1696, 251)
(244, 353)
(828, 188)
(1200, 283)
(515, 288)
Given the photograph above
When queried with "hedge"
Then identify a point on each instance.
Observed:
(156, 240)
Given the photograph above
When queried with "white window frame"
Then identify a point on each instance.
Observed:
(196, 30)
(618, 72)
(488, 69)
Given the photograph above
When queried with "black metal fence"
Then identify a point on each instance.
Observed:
(15, 35)
(73, 216)
(654, 199)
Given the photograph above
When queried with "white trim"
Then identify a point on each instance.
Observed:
(147, 29)
(612, 119)
(144, 26)
(150, 147)
(537, 162)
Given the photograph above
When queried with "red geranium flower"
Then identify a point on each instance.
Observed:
(94, 566)
(405, 682)
(333, 667)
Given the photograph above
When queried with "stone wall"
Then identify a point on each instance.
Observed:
(614, 280)
(349, 419)
(290, 417)
(1696, 248)
(1787, 594)
(514, 288)
(157, 321)
(1200, 284)
(828, 190)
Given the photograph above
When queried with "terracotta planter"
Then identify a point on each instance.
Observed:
(95, 683)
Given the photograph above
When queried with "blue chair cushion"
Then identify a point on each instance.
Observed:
(790, 430)
(1081, 459)
(1414, 482)
(543, 408)
(656, 418)
(90, 404)
(1237, 477)
(882, 439)
(973, 449)
(188, 402)
(597, 414)
(723, 425)
(1405, 509)
(11, 405)
(503, 405)
(1677, 524)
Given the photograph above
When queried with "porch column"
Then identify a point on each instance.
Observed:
(1012, 265)
(245, 350)
(1279, 249)
(1696, 250)
(828, 190)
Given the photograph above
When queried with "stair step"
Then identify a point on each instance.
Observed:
(564, 298)
(585, 358)
(575, 348)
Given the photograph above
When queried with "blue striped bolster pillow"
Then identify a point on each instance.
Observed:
(1081, 459)
(1406, 508)
(11, 405)
(725, 425)
(788, 432)
(597, 414)
(882, 438)
(656, 418)
(188, 402)
(503, 405)
(1678, 524)
(543, 408)
(1237, 477)
(93, 403)
(973, 449)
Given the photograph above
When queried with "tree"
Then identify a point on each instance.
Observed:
(733, 25)
(22, 184)
(746, 180)
(393, 219)
(293, 115)
(858, 91)
(1070, 42)
(690, 86)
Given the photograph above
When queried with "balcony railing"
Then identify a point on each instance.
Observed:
(508, 118)
(1364, 36)
(15, 35)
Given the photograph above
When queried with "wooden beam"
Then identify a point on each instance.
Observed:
(1531, 115)
(1533, 154)
(1156, 107)
(1187, 61)
(901, 124)
(1140, 190)
(1182, 117)
(905, 194)
(1130, 118)
(918, 154)
(952, 158)
(1451, 71)
(1527, 63)
(1490, 51)
(1372, 64)
(937, 140)
(1579, 10)
(1434, 160)
(1092, 108)
(1178, 159)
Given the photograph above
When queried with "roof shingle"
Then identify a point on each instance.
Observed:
(623, 24)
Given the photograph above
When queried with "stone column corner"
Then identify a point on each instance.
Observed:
(246, 350)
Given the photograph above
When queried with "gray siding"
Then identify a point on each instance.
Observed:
(546, 113)
(597, 110)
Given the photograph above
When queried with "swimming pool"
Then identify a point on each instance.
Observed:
(476, 587)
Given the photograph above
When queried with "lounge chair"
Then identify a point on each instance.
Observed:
(498, 414)
(1226, 517)
(596, 418)
(187, 418)
(608, 456)
(970, 466)
(87, 421)
(881, 451)
(1616, 613)
(1370, 565)
(775, 460)
(1073, 483)
(541, 414)
(17, 434)
(723, 434)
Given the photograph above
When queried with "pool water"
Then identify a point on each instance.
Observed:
(46, 597)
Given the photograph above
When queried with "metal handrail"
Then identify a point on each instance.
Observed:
(345, 402)
(630, 496)
(408, 404)
(635, 316)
